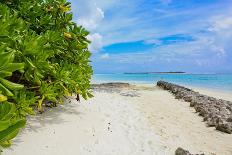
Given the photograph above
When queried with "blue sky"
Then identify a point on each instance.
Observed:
(158, 35)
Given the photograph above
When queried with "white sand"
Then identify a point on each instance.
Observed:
(226, 95)
(153, 124)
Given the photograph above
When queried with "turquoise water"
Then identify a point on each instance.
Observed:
(214, 81)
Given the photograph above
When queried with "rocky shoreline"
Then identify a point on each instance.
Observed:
(216, 112)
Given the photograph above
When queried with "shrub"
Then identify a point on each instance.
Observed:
(43, 56)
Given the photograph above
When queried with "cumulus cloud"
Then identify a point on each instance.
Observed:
(87, 13)
(96, 42)
(92, 20)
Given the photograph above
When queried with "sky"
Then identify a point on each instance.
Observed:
(194, 36)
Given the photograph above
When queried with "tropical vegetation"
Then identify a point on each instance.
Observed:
(43, 57)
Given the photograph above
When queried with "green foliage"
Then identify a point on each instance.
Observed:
(6, 68)
(44, 56)
(9, 123)
(49, 92)
(24, 102)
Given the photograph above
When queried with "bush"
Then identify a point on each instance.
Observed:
(43, 56)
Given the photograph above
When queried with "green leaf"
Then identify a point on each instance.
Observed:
(11, 85)
(11, 67)
(89, 95)
(12, 131)
(84, 95)
(4, 125)
(5, 90)
(6, 111)
(6, 57)
(2, 98)
(5, 74)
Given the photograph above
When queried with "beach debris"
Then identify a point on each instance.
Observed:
(216, 112)
(109, 127)
(130, 94)
(116, 87)
(112, 87)
(181, 151)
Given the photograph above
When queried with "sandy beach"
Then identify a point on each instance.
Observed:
(136, 120)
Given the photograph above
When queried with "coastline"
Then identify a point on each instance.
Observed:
(146, 83)
(139, 119)
(217, 82)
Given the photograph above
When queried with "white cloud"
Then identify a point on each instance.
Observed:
(221, 33)
(220, 51)
(221, 23)
(96, 42)
(87, 13)
(105, 56)
(92, 20)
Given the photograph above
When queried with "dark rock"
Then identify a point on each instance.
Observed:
(181, 151)
(229, 119)
(224, 126)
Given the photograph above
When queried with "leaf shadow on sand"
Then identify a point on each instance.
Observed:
(50, 116)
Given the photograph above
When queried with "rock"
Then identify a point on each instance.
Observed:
(224, 126)
(216, 112)
(212, 121)
(181, 151)
(229, 119)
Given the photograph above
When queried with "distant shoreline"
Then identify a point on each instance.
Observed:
(211, 81)
(157, 73)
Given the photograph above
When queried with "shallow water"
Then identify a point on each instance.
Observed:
(212, 81)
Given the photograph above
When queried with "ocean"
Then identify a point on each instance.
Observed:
(211, 81)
